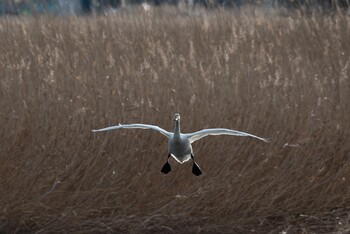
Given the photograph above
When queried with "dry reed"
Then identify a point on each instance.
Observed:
(285, 77)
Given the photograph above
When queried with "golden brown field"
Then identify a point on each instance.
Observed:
(281, 76)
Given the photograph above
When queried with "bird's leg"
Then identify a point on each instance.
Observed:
(195, 168)
(166, 168)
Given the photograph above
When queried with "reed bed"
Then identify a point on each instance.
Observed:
(284, 76)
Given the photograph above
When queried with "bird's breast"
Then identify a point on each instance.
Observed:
(180, 148)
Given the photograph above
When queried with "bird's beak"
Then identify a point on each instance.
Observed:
(176, 118)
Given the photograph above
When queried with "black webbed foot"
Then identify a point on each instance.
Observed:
(166, 168)
(195, 168)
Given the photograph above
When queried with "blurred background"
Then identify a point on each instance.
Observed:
(276, 69)
(80, 7)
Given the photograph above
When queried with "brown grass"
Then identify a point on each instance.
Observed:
(285, 77)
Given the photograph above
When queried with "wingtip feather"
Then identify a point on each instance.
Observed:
(266, 140)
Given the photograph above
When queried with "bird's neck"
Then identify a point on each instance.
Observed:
(177, 129)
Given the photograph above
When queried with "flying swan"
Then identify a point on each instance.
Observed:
(179, 144)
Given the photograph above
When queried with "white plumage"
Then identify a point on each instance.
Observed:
(179, 144)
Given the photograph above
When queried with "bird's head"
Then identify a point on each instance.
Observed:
(176, 117)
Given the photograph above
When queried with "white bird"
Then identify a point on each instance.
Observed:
(179, 144)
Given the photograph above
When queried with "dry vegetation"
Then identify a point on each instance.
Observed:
(285, 77)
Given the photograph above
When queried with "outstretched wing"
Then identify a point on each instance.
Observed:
(219, 131)
(143, 126)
